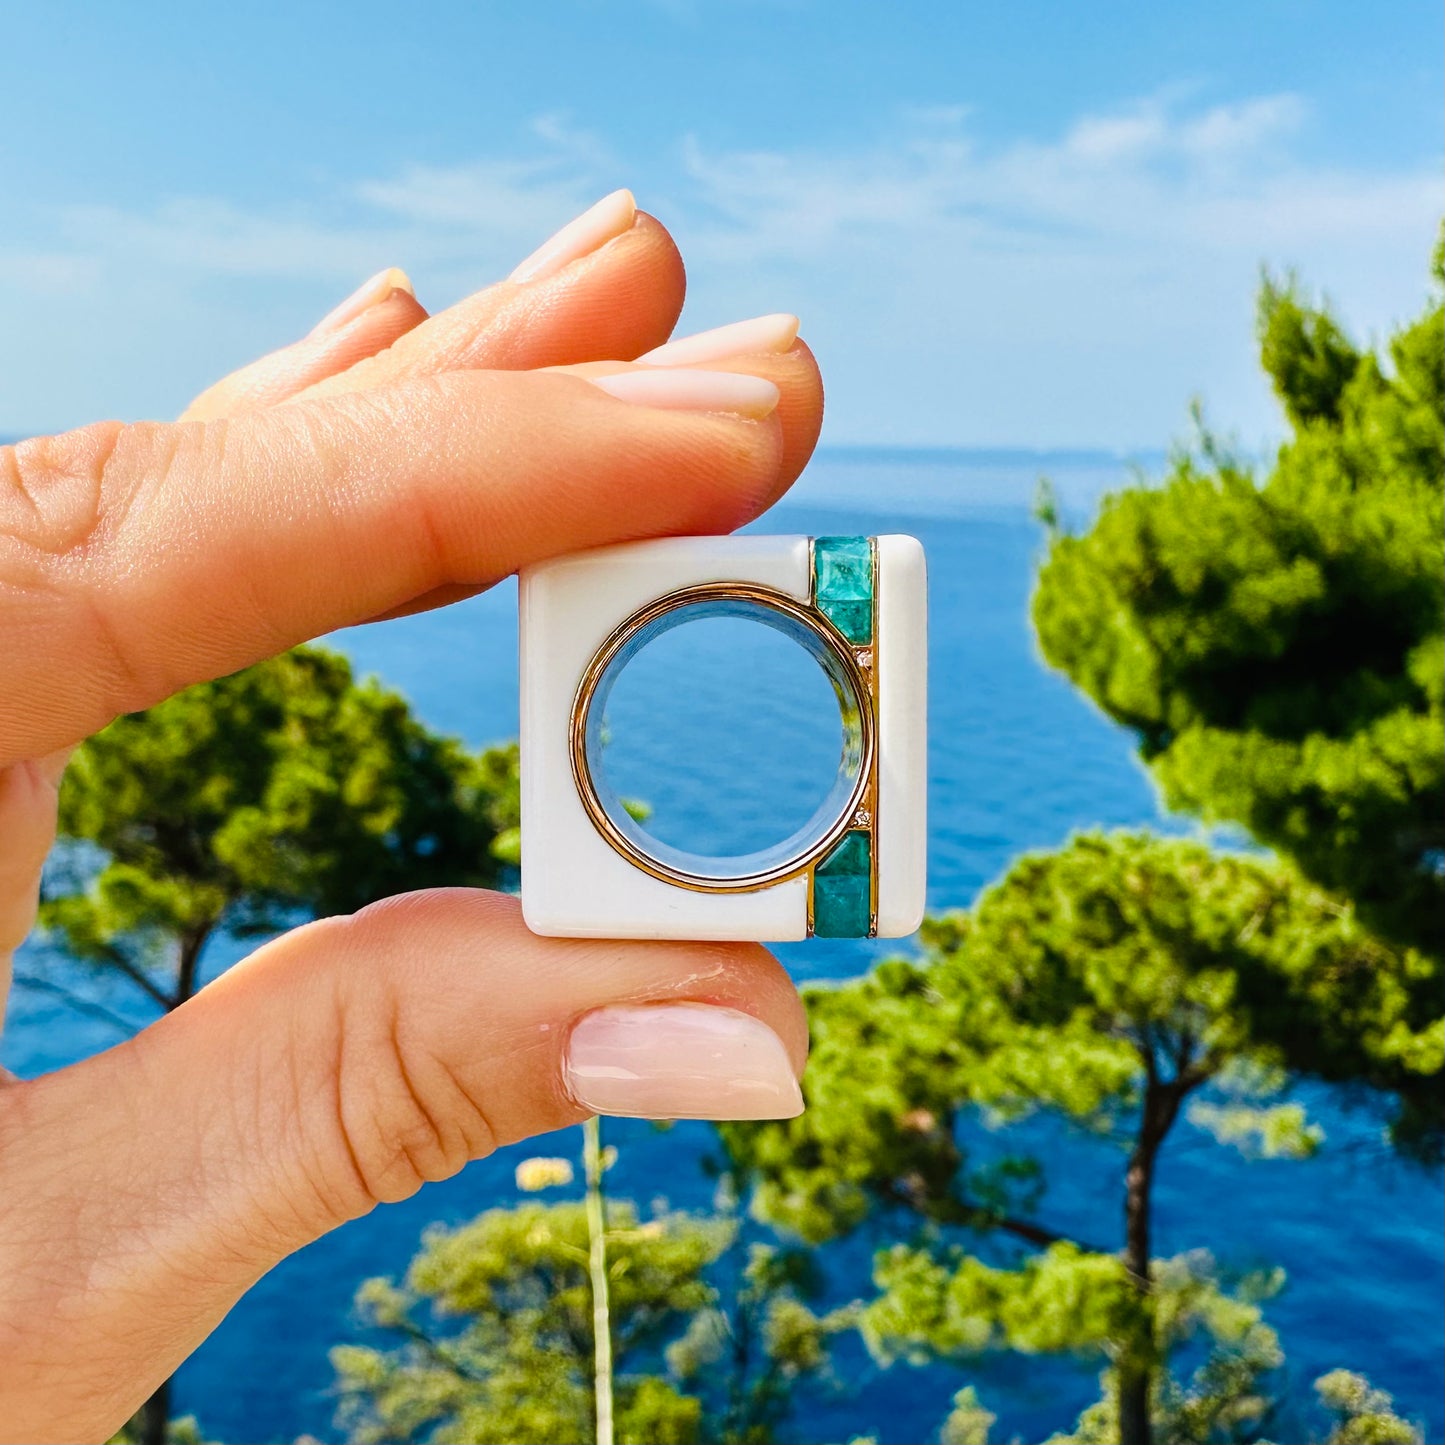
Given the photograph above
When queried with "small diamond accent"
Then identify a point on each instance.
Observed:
(862, 818)
(865, 658)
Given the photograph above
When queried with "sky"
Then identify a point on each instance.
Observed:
(1035, 224)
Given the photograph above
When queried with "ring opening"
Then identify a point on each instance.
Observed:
(658, 698)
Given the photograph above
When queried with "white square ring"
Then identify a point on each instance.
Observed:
(858, 605)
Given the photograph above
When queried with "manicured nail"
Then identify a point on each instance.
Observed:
(368, 294)
(52, 766)
(680, 1061)
(687, 390)
(762, 336)
(610, 217)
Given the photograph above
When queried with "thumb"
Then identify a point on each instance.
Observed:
(343, 1065)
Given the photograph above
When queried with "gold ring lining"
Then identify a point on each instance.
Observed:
(807, 617)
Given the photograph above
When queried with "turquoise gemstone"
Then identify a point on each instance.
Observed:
(843, 567)
(853, 619)
(843, 584)
(842, 892)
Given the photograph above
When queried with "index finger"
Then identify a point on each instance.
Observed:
(137, 560)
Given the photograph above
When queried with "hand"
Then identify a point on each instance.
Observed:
(388, 461)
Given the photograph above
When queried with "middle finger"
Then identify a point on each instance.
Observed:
(616, 300)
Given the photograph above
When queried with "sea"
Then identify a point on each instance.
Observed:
(1019, 760)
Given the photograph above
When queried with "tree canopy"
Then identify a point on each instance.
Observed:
(496, 1325)
(490, 1336)
(1123, 983)
(1276, 643)
(1074, 982)
(289, 788)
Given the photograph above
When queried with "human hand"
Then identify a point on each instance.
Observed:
(388, 461)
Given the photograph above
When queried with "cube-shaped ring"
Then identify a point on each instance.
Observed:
(858, 606)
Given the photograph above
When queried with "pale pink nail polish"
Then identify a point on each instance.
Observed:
(680, 1061)
(761, 336)
(610, 217)
(367, 295)
(686, 390)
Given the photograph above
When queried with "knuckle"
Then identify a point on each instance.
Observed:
(400, 1118)
(52, 489)
(65, 505)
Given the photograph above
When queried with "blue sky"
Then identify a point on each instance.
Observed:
(1005, 224)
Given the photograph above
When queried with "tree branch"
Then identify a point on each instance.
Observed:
(114, 958)
(189, 962)
(1183, 1055)
(1036, 1233)
(77, 1001)
(435, 1351)
(977, 1216)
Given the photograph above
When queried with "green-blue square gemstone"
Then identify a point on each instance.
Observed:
(843, 584)
(842, 891)
(852, 857)
(853, 619)
(843, 568)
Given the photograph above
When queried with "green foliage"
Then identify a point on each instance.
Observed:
(493, 1330)
(1277, 647)
(1258, 1131)
(746, 1353)
(1229, 1396)
(1362, 1414)
(1276, 644)
(1075, 979)
(1067, 1300)
(1110, 984)
(968, 1423)
(945, 1302)
(286, 789)
(499, 776)
(495, 1320)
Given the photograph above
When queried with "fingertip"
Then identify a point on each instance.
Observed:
(621, 301)
(799, 413)
(669, 268)
(325, 353)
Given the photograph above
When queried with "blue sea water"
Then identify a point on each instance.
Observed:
(1018, 761)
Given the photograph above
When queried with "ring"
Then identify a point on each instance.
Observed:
(835, 847)
(856, 869)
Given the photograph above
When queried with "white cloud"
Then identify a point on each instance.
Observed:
(1146, 174)
(500, 199)
(1071, 290)
(1079, 289)
(433, 216)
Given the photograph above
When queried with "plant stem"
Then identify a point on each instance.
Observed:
(597, 1270)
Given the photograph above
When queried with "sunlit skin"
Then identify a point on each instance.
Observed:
(388, 462)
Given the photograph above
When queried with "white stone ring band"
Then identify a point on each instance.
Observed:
(855, 869)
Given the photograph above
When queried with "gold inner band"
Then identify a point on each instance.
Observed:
(845, 658)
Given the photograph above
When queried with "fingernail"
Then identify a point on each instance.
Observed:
(368, 294)
(737, 392)
(680, 1061)
(52, 766)
(762, 336)
(610, 217)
